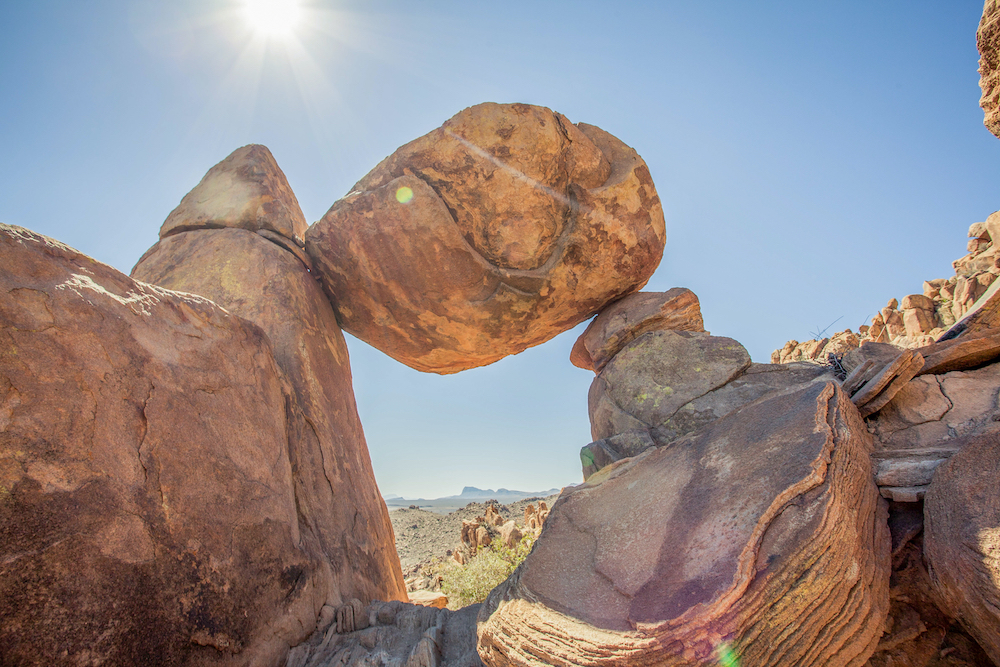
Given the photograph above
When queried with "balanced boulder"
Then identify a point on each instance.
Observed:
(489, 235)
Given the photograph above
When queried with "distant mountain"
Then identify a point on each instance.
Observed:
(472, 493)
(469, 494)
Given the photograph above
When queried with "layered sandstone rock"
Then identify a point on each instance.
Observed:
(962, 539)
(626, 319)
(759, 538)
(147, 512)
(342, 512)
(493, 233)
(988, 41)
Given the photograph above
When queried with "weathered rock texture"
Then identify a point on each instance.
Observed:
(247, 190)
(917, 633)
(759, 538)
(493, 233)
(393, 633)
(623, 321)
(962, 539)
(988, 40)
(341, 511)
(648, 383)
(959, 305)
(147, 509)
(665, 384)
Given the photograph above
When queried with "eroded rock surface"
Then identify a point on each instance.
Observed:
(491, 234)
(759, 538)
(626, 319)
(962, 539)
(988, 41)
(251, 275)
(247, 190)
(646, 385)
(341, 508)
(392, 633)
(147, 508)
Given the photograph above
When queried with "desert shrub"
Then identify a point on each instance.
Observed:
(471, 583)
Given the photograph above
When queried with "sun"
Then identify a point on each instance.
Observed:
(272, 18)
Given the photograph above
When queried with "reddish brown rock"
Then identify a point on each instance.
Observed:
(147, 509)
(247, 190)
(962, 539)
(759, 539)
(988, 41)
(961, 353)
(342, 509)
(489, 235)
(626, 319)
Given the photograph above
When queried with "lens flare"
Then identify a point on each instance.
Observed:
(404, 195)
(726, 656)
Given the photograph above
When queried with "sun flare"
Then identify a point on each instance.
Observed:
(273, 18)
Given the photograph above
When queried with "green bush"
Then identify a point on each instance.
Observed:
(471, 583)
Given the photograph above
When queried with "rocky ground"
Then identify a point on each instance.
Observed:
(421, 535)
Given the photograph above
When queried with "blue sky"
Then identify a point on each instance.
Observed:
(814, 160)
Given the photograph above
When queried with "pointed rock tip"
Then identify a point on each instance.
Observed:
(247, 190)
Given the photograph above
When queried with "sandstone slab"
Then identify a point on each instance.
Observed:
(489, 235)
(626, 319)
(147, 508)
(962, 543)
(759, 539)
(248, 191)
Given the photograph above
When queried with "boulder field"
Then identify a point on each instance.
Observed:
(184, 479)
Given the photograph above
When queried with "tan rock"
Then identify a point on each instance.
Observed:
(148, 504)
(256, 279)
(493, 517)
(961, 515)
(626, 319)
(425, 598)
(988, 41)
(706, 552)
(955, 354)
(510, 534)
(247, 190)
(491, 234)
(658, 373)
(917, 301)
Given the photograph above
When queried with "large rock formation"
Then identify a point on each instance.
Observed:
(147, 503)
(988, 41)
(493, 233)
(342, 513)
(759, 538)
(962, 539)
